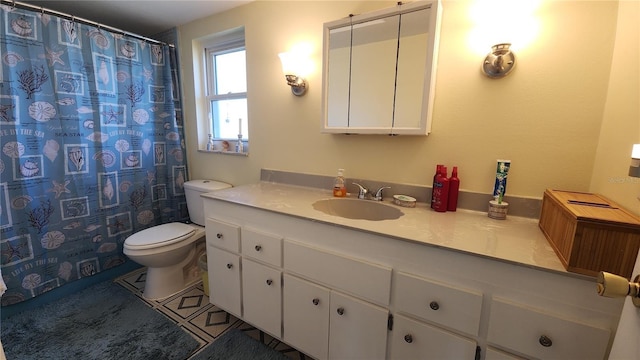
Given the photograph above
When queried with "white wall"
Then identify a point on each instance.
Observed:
(546, 116)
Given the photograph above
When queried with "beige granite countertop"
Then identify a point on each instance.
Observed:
(515, 240)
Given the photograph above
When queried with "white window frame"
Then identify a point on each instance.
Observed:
(226, 43)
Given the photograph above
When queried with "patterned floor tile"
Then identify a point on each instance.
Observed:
(192, 311)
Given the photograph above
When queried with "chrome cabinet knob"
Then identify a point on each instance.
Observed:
(434, 305)
(258, 247)
(315, 301)
(229, 266)
(219, 235)
(340, 311)
(408, 338)
(269, 282)
(545, 341)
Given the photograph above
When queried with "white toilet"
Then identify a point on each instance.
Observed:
(169, 250)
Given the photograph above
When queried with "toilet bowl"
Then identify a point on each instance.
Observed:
(170, 251)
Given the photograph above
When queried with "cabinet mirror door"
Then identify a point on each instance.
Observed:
(413, 82)
(338, 71)
(377, 71)
(373, 73)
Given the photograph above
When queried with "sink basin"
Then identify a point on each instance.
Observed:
(358, 209)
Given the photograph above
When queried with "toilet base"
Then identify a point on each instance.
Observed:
(162, 282)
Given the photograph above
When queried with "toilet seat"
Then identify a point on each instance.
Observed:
(160, 235)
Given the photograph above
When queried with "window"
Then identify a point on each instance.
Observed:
(227, 86)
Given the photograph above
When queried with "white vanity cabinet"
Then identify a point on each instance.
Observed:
(331, 291)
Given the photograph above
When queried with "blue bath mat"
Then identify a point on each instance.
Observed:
(236, 345)
(104, 321)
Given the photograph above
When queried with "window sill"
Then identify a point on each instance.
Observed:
(224, 152)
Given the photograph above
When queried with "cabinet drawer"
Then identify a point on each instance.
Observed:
(370, 281)
(456, 308)
(262, 296)
(223, 235)
(412, 339)
(539, 334)
(262, 246)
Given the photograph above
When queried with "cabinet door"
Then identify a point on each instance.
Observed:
(262, 296)
(224, 280)
(306, 316)
(357, 329)
(411, 339)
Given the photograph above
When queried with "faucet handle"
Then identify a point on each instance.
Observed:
(362, 191)
(378, 196)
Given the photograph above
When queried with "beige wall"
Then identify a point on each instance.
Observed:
(546, 116)
(621, 120)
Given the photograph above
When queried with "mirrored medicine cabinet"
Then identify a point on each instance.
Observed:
(379, 71)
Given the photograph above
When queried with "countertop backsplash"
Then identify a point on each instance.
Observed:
(518, 206)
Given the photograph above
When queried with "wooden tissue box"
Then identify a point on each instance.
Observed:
(590, 233)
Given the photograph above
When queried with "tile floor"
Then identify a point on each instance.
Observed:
(191, 310)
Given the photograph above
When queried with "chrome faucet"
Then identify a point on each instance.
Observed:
(378, 196)
(363, 192)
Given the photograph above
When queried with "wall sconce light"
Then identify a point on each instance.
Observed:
(293, 68)
(634, 168)
(499, 62)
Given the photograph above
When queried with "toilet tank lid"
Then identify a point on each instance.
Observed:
(164, 234)
(206, 185)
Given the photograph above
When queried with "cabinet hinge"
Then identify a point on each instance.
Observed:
(390, 322)
(478, 353)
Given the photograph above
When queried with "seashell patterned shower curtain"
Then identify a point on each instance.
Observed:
(92, 148)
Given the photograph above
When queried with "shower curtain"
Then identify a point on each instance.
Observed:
(92, 148)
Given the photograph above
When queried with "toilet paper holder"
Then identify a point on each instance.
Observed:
(615, 286)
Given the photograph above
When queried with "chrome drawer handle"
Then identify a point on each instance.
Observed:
(219, 235)
(258, 247)
(229, 266)
(545, 341)
(434, 305)
(315, 301)
(340, 311)
(408, 338)
(269, 282)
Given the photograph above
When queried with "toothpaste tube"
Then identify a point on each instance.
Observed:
(500, 186)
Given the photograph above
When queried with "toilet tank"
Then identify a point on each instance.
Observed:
(192, 191)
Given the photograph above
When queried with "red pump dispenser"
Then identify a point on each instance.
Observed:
(441, 191)
(454, 187)
(435, 176)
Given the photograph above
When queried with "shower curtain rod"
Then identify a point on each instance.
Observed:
(14, 4)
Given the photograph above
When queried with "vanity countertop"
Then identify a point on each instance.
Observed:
(515, 240)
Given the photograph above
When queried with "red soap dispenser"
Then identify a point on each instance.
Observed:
(441, 191)
(454, 187)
